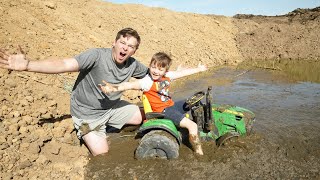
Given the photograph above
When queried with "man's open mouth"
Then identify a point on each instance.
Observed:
(122, 54)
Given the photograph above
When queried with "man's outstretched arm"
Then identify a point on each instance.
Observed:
(19, 62)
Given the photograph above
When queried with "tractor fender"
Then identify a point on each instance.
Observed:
(144, 130)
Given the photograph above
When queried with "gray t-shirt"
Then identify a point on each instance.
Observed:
(87, 100)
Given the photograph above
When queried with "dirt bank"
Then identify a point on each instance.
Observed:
(37, 140)
(291, 36)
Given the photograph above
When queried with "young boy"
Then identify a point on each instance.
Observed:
(156, 88)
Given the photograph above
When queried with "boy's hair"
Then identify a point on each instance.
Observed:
(161, 59)
(129, 32)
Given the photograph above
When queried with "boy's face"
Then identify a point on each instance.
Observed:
(156, 71)
(123, 48)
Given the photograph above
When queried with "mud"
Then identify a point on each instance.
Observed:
(285, 142)
(37, 139)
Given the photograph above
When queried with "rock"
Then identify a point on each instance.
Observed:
(14, 140)
(42, 160)
(29, 99)
(11, 83)
(42, 110)
(33, 157)
(9, 109)
(50, 5)
(40, 143)
(61, 167)
(58, 132)
(46, 138)
(15, 133)
(13, 128)
(23, 103)
(16, 114)
(31, 128)
(22, 123)
(24, 145)
(67, 138)
(35, 114)
(35, 121)
(6, 176)
(4, 108)
(51, 103)
(54, 148)
(47, 115)
(55, 112)
(34, 148)
(2, 139)
(4, 146)
(31, 138)
(27, 119)
(14, 121)
(9, 139)
(40, 132)
(24, 164)
(10, 166)
(23, 130)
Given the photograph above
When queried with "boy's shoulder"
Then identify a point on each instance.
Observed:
(146, 82)
(168, 75)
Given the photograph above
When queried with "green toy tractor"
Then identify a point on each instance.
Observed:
(160, 138)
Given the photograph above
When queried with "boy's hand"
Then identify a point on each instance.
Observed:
(180, 68)
(107, 88)
(202, 67)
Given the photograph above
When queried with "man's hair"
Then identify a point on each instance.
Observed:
(129, 32)
(161, 59)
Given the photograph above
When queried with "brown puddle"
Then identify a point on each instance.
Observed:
(285, 143)
(296, 70)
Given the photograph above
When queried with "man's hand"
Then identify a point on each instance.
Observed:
(107, 88)
(16, 62)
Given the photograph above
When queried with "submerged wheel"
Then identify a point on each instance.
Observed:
(227, 138)
(157, 144)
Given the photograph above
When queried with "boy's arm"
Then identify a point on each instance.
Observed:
(186, 72)
(109, 88)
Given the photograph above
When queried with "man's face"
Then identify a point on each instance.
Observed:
(124, 48)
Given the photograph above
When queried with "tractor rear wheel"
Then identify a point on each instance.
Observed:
(227, 138)
(157, 144)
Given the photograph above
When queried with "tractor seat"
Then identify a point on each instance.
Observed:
(148, 110)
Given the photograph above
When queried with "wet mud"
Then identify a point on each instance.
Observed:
(284, 144)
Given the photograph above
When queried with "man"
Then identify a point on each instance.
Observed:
(91, 109)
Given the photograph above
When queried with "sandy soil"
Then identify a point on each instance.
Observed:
(37, 140)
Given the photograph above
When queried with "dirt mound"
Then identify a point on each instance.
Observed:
(37, 140)
(292, 36)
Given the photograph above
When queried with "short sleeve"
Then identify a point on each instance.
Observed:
(169, 75)
(88, 58)
(146, 83)
(140, 71)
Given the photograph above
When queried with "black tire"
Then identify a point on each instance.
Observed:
(227, 138)
(157, 144)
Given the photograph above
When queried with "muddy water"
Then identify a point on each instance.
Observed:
(285, 143)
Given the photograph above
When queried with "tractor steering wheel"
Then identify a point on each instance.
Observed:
(191, 101)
